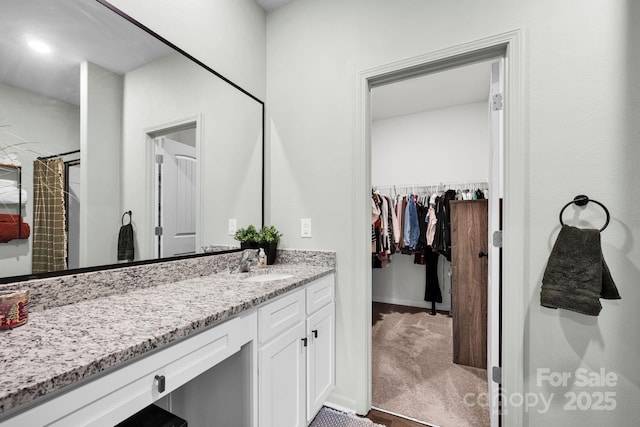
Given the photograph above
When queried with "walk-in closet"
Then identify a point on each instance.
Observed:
(431, 147)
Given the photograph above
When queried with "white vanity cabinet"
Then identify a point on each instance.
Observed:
(115, 396)
(268, 366)
(296, 355)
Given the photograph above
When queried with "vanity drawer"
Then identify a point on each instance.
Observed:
(320, 293)
(115, 396)
(280, 315)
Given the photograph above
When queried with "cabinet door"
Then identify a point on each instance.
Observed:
(320, 358)
(281, 385)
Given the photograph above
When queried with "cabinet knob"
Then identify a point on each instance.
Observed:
(304, 341)
(161, 383)
(315, 333)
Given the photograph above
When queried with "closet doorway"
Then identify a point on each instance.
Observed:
(436, 141)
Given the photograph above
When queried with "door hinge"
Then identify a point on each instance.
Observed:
(496, 102)
(497, 239)
(159, 159)
(158, 231)
(496, 374)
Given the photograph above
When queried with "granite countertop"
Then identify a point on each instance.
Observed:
(63, 345)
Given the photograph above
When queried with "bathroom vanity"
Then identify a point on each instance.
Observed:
(214, 350)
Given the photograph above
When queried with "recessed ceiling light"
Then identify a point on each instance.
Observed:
(39, 46)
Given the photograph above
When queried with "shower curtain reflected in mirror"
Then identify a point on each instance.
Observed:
(49, 235)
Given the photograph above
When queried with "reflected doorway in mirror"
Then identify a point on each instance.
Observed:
(175, 188)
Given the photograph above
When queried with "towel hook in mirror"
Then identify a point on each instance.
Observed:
(582, 200)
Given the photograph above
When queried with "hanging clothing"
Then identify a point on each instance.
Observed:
(375, 216)
(395, 224)
(412, 228)
(422, 239)
(432, 221)
(442, 238)
(384, 223)
(432, 291)
(379, 251)
(392, 226)
(410, 223)
(402, 206)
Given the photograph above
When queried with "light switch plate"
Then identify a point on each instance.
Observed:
(305, 227)
(233, 226)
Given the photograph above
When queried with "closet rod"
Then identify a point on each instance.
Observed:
(443, 185)
(58, 155)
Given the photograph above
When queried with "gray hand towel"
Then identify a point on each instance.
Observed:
(125, 243)
(577, 275)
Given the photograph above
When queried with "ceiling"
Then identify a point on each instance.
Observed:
(121, 47)
(463, 85)
(270, 5)
(76, 30)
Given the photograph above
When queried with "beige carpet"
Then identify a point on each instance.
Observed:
(413, 373)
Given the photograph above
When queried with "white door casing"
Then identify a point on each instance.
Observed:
(146, 237)
(511, 45)
(496, 109)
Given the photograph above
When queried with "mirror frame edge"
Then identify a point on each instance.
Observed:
(68, 272)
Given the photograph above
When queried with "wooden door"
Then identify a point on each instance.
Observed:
(469, 237)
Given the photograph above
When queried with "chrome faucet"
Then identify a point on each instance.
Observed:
(247, 258)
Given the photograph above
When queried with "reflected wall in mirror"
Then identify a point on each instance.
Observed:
(138, 126)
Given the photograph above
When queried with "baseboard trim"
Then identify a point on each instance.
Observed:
(342, 404)
(395, 414)
(339, 408)
(411, 303)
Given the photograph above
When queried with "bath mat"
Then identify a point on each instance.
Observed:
(328, 417)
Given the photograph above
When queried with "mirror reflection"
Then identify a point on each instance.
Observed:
(114, 147)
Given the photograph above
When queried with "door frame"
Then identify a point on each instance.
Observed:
(150, 133)
(509, 45)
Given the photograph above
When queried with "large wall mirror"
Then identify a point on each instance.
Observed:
(104, 124)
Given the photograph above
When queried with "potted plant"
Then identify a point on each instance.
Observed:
(248, 237)
(268, 240)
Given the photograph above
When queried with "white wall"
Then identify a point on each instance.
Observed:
(581, 137)
(229, 160)
(32, 125)
(227, 35)
(100, 151)
(437, 146)
(449, 145)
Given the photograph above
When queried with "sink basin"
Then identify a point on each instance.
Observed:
(268, 277)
